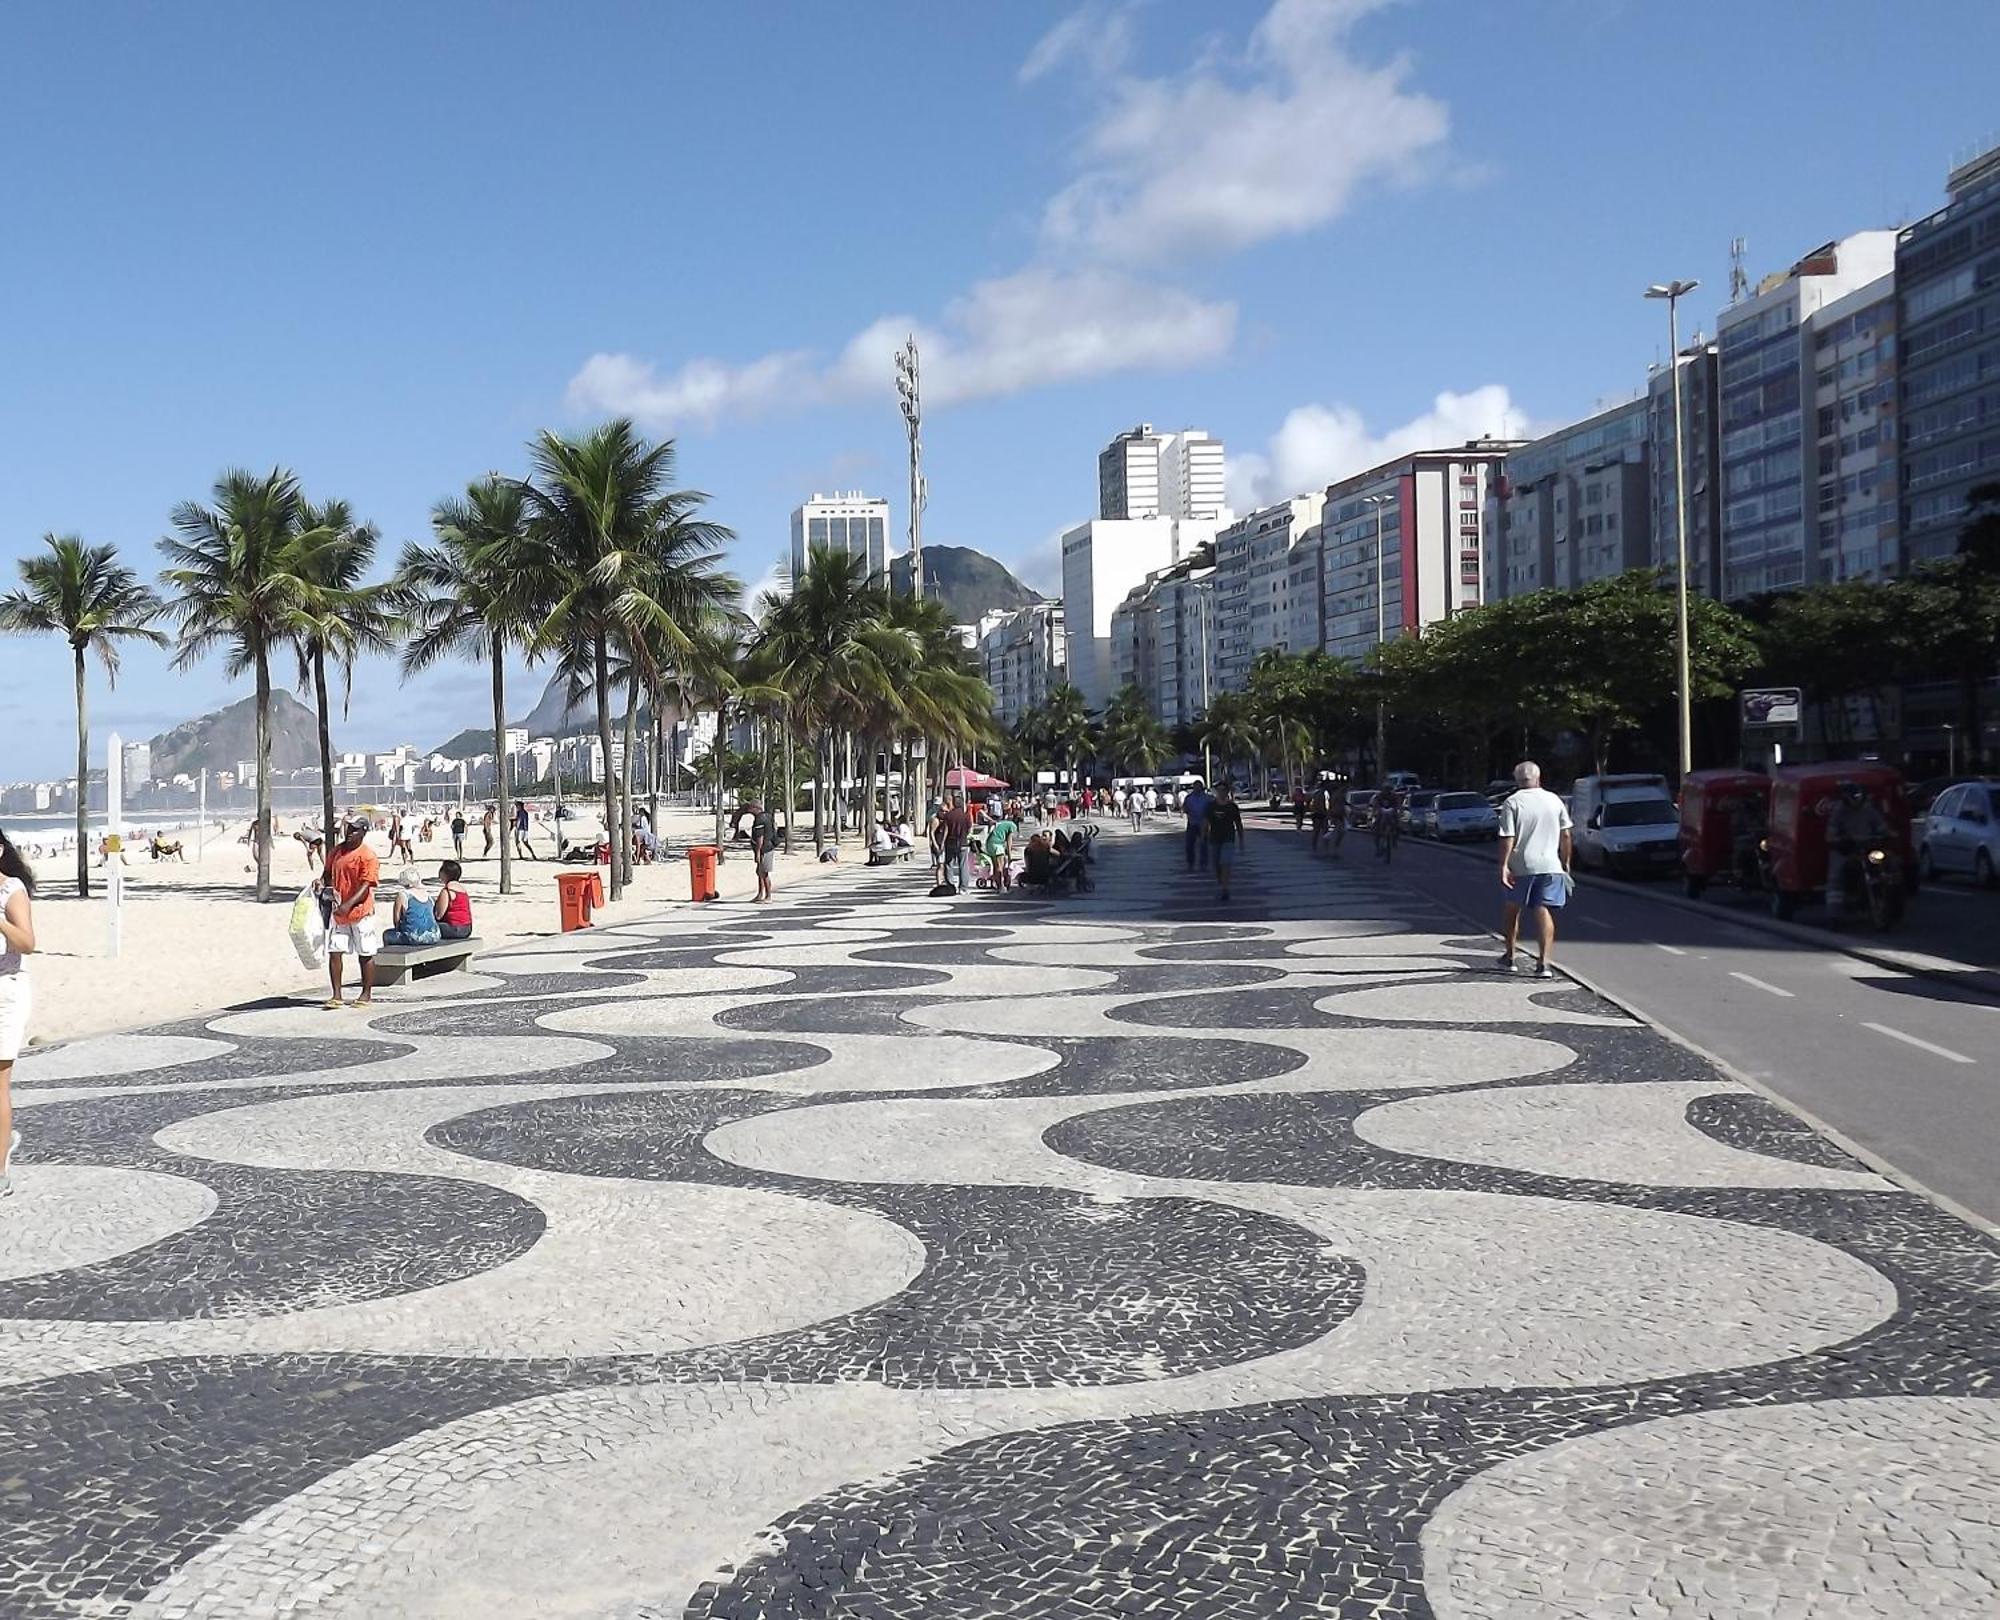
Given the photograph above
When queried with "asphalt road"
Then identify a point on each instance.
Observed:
(1903, 1066)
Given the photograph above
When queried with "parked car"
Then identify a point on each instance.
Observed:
(1501, 787)
(1404, 781)
(1416, 807)
(1462, 816)
(1361, 809)
(1961, 835)
(1625, 824)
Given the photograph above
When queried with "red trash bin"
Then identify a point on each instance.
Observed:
(577, 893)
(702, 860)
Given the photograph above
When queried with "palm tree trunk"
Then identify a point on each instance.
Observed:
(601, 658)
(721, 755)
(653, 771)
(500, 769)
(791, 798)
(631, 759)
(82, 783)
(325, 759)
(261, 832)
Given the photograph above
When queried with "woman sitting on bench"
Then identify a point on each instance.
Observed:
(452, 904)
(416, 914)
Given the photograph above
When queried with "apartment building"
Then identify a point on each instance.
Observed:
(1162, 642)
(1698, 374)
(852, 523)
(1102, 561)
(1573, 506)
(1143, 473)
(1253, 608)
(1022, 656)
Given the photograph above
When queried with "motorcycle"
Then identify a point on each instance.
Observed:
(1872, 882)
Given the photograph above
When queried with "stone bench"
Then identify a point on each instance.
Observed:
(392, 962)
(884, 857)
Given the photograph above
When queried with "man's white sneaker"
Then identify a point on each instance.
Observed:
(1508, 964)
(1544, 971)
(7, 1164)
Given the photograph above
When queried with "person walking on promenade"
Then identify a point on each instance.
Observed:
(17, 944)
(1223, 824)
(763, 847)
(352, 875)
(1388, 823)
(1336, 805)
(1298, 809)
(521, 844)
(1137, 805)
(1535, 856)
(1194, 841)
(458, 833)
(1322, 804)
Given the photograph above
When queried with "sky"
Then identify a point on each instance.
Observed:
(384, 244)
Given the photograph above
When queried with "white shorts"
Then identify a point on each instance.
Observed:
(358, 938)
(15, 1001)
(767, 863)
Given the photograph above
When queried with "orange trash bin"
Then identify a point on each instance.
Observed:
(577, 892)
(701, 871)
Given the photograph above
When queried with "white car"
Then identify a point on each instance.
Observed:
(1456, 816)
(1962, 833)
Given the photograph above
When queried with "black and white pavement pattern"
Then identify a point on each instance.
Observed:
(876, 1257)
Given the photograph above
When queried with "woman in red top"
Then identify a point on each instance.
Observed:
(454, 905)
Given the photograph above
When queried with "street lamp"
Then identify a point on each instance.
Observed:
(910, 399)
(1201, 611)
(1381, 634)
(1673, 292)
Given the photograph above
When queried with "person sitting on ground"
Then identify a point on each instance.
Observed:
(416, 921)
(450, 904)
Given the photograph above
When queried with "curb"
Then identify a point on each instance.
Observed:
(1967, 976)
(1840, 1139)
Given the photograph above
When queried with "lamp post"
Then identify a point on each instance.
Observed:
(1673, 292)
(911, 401)
(1201, 610)
(1381, 634)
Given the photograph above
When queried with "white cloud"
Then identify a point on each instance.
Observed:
(1008, 334)
(1040, 566)
(775, 581)
(1269, 141)
(1097, 35)
(1318, 444)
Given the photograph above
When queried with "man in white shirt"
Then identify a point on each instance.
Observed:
(1534, 862)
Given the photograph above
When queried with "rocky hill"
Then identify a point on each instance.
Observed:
(968, 582)
(217, 741)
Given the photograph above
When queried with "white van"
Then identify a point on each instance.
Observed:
(1625, 824)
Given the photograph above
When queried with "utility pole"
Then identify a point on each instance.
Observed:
(910, 397)
(1673, 292)
(1381, 634)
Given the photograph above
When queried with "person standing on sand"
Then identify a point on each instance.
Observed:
(352, 875)
(521, 844)
(458, 833)
(17, 944)
(487, 823)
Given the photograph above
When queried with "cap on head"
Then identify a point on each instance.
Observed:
(354, 824)
(1527, 774)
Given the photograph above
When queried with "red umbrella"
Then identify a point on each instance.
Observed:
(963, 776)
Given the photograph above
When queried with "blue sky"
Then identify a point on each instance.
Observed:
(384, 243)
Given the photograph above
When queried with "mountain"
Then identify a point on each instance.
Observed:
(218, 741)
(968, 582)
(550, 717)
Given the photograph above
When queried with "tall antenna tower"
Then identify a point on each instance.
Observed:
(1739, 279)
(910, 397)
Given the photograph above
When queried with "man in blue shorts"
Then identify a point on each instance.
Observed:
(1534, 863)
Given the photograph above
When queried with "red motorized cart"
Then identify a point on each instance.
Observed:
(1802, 798)
(1723, 819)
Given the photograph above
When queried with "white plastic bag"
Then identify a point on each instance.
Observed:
(309, 929)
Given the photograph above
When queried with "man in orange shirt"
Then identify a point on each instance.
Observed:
(352, 875)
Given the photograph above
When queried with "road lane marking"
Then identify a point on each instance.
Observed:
(1671, 950)
(1761, 984)
(1595, 922)
(1923, 1046)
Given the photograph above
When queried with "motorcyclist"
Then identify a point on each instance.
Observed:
(1748, 827)
(1854, 823)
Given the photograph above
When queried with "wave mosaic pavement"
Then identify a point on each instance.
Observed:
(874, 1257)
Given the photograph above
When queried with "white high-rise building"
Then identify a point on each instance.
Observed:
(1102, 561)
(852, 522)
(1144, 474)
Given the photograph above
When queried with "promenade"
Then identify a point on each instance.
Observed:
(865, 1255)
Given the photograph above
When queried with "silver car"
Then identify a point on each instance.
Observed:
(1961, 834)
(1467, 816)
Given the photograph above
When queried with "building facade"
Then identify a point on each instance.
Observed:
(1102, 561)
(1162, 641)
(1022, 655)
(1143, 474)
(1697, 373)
(853, 523)
(1855, 524)
(1766, 351)
(1253, 605)
(1948, 327)
(1573, 506)
(1430, 511)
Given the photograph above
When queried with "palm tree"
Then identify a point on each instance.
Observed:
(940, 696)
(85, 595)
(1066, 728)
(1133, 734)
(1229, 730)
(339, 618)
(235, 587)
(622, 557)
(829, 647)
(464, 599)
(715, 673)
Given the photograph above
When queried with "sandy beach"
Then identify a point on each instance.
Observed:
(194, 939)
